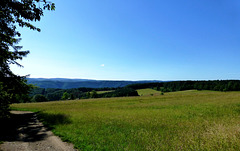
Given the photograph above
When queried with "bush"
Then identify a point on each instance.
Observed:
(65, 96)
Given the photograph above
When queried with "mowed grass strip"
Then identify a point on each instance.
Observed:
(188, 120)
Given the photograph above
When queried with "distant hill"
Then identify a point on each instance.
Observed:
(63, 83)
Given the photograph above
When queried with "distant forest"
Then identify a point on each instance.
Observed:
(61, 83)
(216, 85)
(52, 94)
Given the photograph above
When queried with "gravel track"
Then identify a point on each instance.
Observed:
(26, 133)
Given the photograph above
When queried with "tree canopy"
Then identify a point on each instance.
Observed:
(15, 14)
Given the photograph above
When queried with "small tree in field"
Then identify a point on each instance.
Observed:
(93, 94)
(65, 96)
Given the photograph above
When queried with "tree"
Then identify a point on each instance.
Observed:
(13, 14)
(93, 94)
(4, 97)
(72, 96)
(88, 95)
(65, 96)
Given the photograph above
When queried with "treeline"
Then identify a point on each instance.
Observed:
(215, 85)
(125, 91)
(146, 85)
(52, 94)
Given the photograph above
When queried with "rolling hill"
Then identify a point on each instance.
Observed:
(63, 83)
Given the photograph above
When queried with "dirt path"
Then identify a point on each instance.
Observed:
(26, 133)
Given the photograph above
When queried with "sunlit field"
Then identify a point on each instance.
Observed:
(148, 91)
(188, 120)
(101, 92)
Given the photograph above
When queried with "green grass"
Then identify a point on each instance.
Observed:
(101, 92)
(188, 120)
(148, 92)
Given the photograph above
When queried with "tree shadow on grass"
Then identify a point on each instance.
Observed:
(50, 120)
(25, 127)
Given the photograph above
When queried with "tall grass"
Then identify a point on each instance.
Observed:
(191, 120)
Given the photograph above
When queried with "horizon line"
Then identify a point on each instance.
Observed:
(128, 79)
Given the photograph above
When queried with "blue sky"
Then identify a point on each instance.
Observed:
(135, 40)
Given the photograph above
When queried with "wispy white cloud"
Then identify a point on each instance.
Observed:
(102, 65)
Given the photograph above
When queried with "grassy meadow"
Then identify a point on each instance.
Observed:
(148, 92)
(187, 120)
(101, 92)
